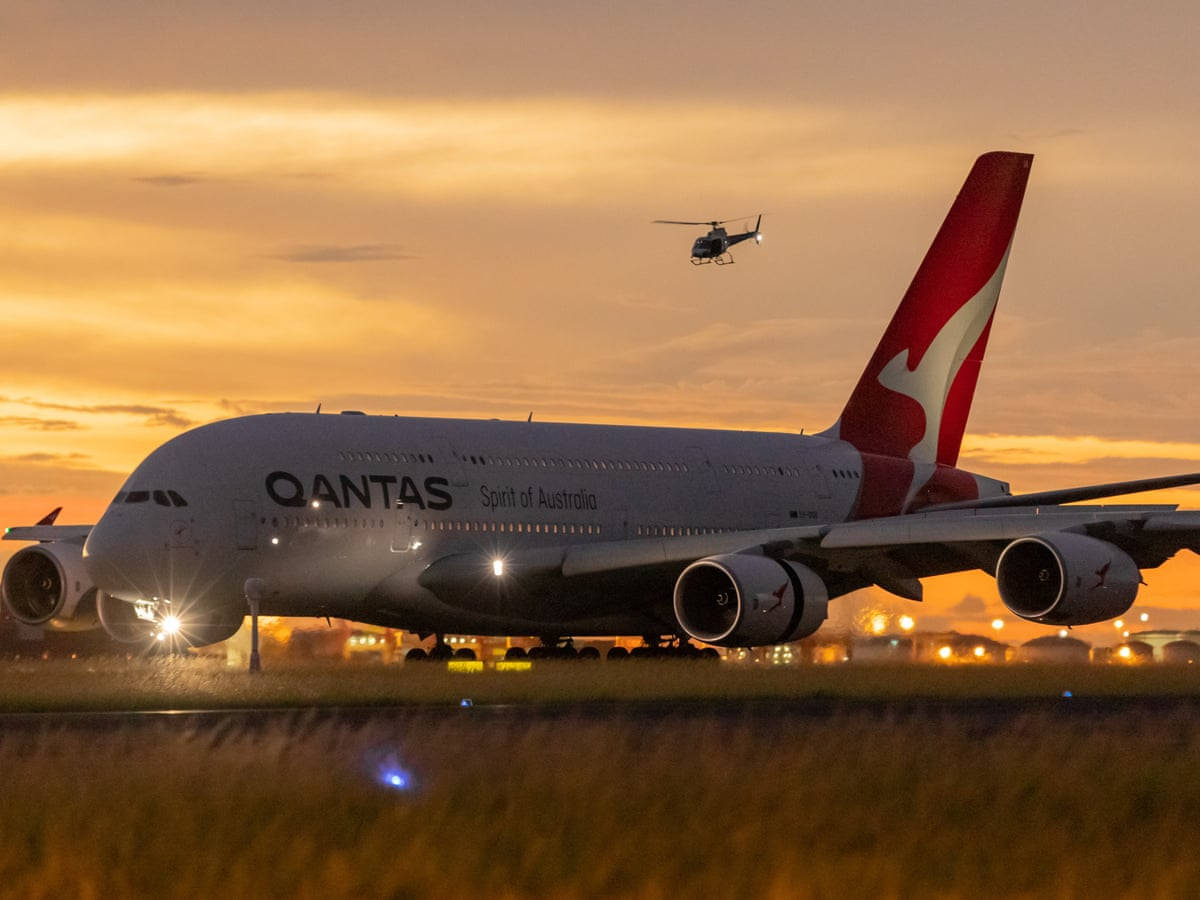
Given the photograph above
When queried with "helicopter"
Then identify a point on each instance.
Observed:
(714, 246)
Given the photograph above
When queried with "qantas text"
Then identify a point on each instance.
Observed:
(360, 490)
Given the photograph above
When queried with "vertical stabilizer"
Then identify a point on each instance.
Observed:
(913, 399)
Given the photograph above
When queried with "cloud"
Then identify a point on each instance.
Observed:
(322, 253)
(39, 424)
(169, 181)
(155, 415)
(48, 457)
(971, 606)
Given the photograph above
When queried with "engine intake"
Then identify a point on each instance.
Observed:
(741, 600)
(46, 585)
(1063, 578)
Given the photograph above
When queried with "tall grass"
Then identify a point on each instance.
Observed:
(190, 683)
(687, 805)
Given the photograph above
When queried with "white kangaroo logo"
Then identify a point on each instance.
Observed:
(929, 383)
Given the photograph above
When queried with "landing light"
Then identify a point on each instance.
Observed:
(316, 504)
(1062, 632)
(171, 625)
(497, 567)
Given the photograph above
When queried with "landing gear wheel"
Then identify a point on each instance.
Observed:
(515, 653)
(589, 653)
(464, 653)
(618, 653)
(416, 655)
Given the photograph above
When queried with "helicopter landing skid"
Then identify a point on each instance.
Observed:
(725, 259)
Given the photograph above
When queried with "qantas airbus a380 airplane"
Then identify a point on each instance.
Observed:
(730, 538)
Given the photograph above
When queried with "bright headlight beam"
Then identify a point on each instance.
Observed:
(171, 625)
(497, 567)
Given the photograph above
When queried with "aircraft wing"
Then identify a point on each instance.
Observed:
(74, 534)
(892, 552)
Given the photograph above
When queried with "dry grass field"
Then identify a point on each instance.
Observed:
(198, 683)
(694, 798)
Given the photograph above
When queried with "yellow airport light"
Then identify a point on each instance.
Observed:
(878, 623)
(944, 652)
(997, 624)
(907, 623)
(1124, 653)
(464, 665)
(514, 665)
(979, 652)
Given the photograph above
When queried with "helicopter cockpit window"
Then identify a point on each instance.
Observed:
(137, 497)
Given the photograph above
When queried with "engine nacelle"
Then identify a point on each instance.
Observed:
(741, 600)
(46, 584)
(1063, 578)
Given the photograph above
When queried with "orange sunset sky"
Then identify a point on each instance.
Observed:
(208, 210)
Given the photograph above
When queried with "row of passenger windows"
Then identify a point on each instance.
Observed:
(162, 498)
(438, 525)
(512, 527)
(792, 471)
(390, 456)
(677, 530)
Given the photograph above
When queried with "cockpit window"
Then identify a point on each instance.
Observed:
(160, 497)
(120, 498)
(176, 500)
(137, 497)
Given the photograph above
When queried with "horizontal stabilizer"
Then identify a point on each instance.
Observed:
(1074, 495)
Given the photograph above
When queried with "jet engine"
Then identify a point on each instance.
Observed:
(46, 584)
(1063, 578)
(741, 600)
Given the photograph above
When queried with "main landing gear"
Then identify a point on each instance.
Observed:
(674, 647)
(440, 651)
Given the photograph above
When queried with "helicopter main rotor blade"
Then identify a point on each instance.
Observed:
(676, 222)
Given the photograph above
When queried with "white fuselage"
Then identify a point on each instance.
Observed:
(340, 514)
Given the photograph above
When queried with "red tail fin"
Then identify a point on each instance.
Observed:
(913, 399)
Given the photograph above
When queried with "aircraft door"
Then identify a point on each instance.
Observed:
(245, 524)
(448, 462)
(698, 462)
(402, 534)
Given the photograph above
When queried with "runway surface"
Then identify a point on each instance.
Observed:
(977, 714)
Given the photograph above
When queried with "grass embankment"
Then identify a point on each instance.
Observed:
(694, 805)
(190, 683)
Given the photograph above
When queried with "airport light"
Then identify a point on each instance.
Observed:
(171, 625)
(878, 623)
(1119, 624)
(997, 624)
(907, 623)
(316, 504)
(944, 652)
(1062, 632)
(1124, 653)
(275, 541)
(1145, 617)
(979, 651)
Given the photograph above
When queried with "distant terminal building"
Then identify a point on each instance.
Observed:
(885, 648)
(1051, 648)
(952, 647)
(1184, 645)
